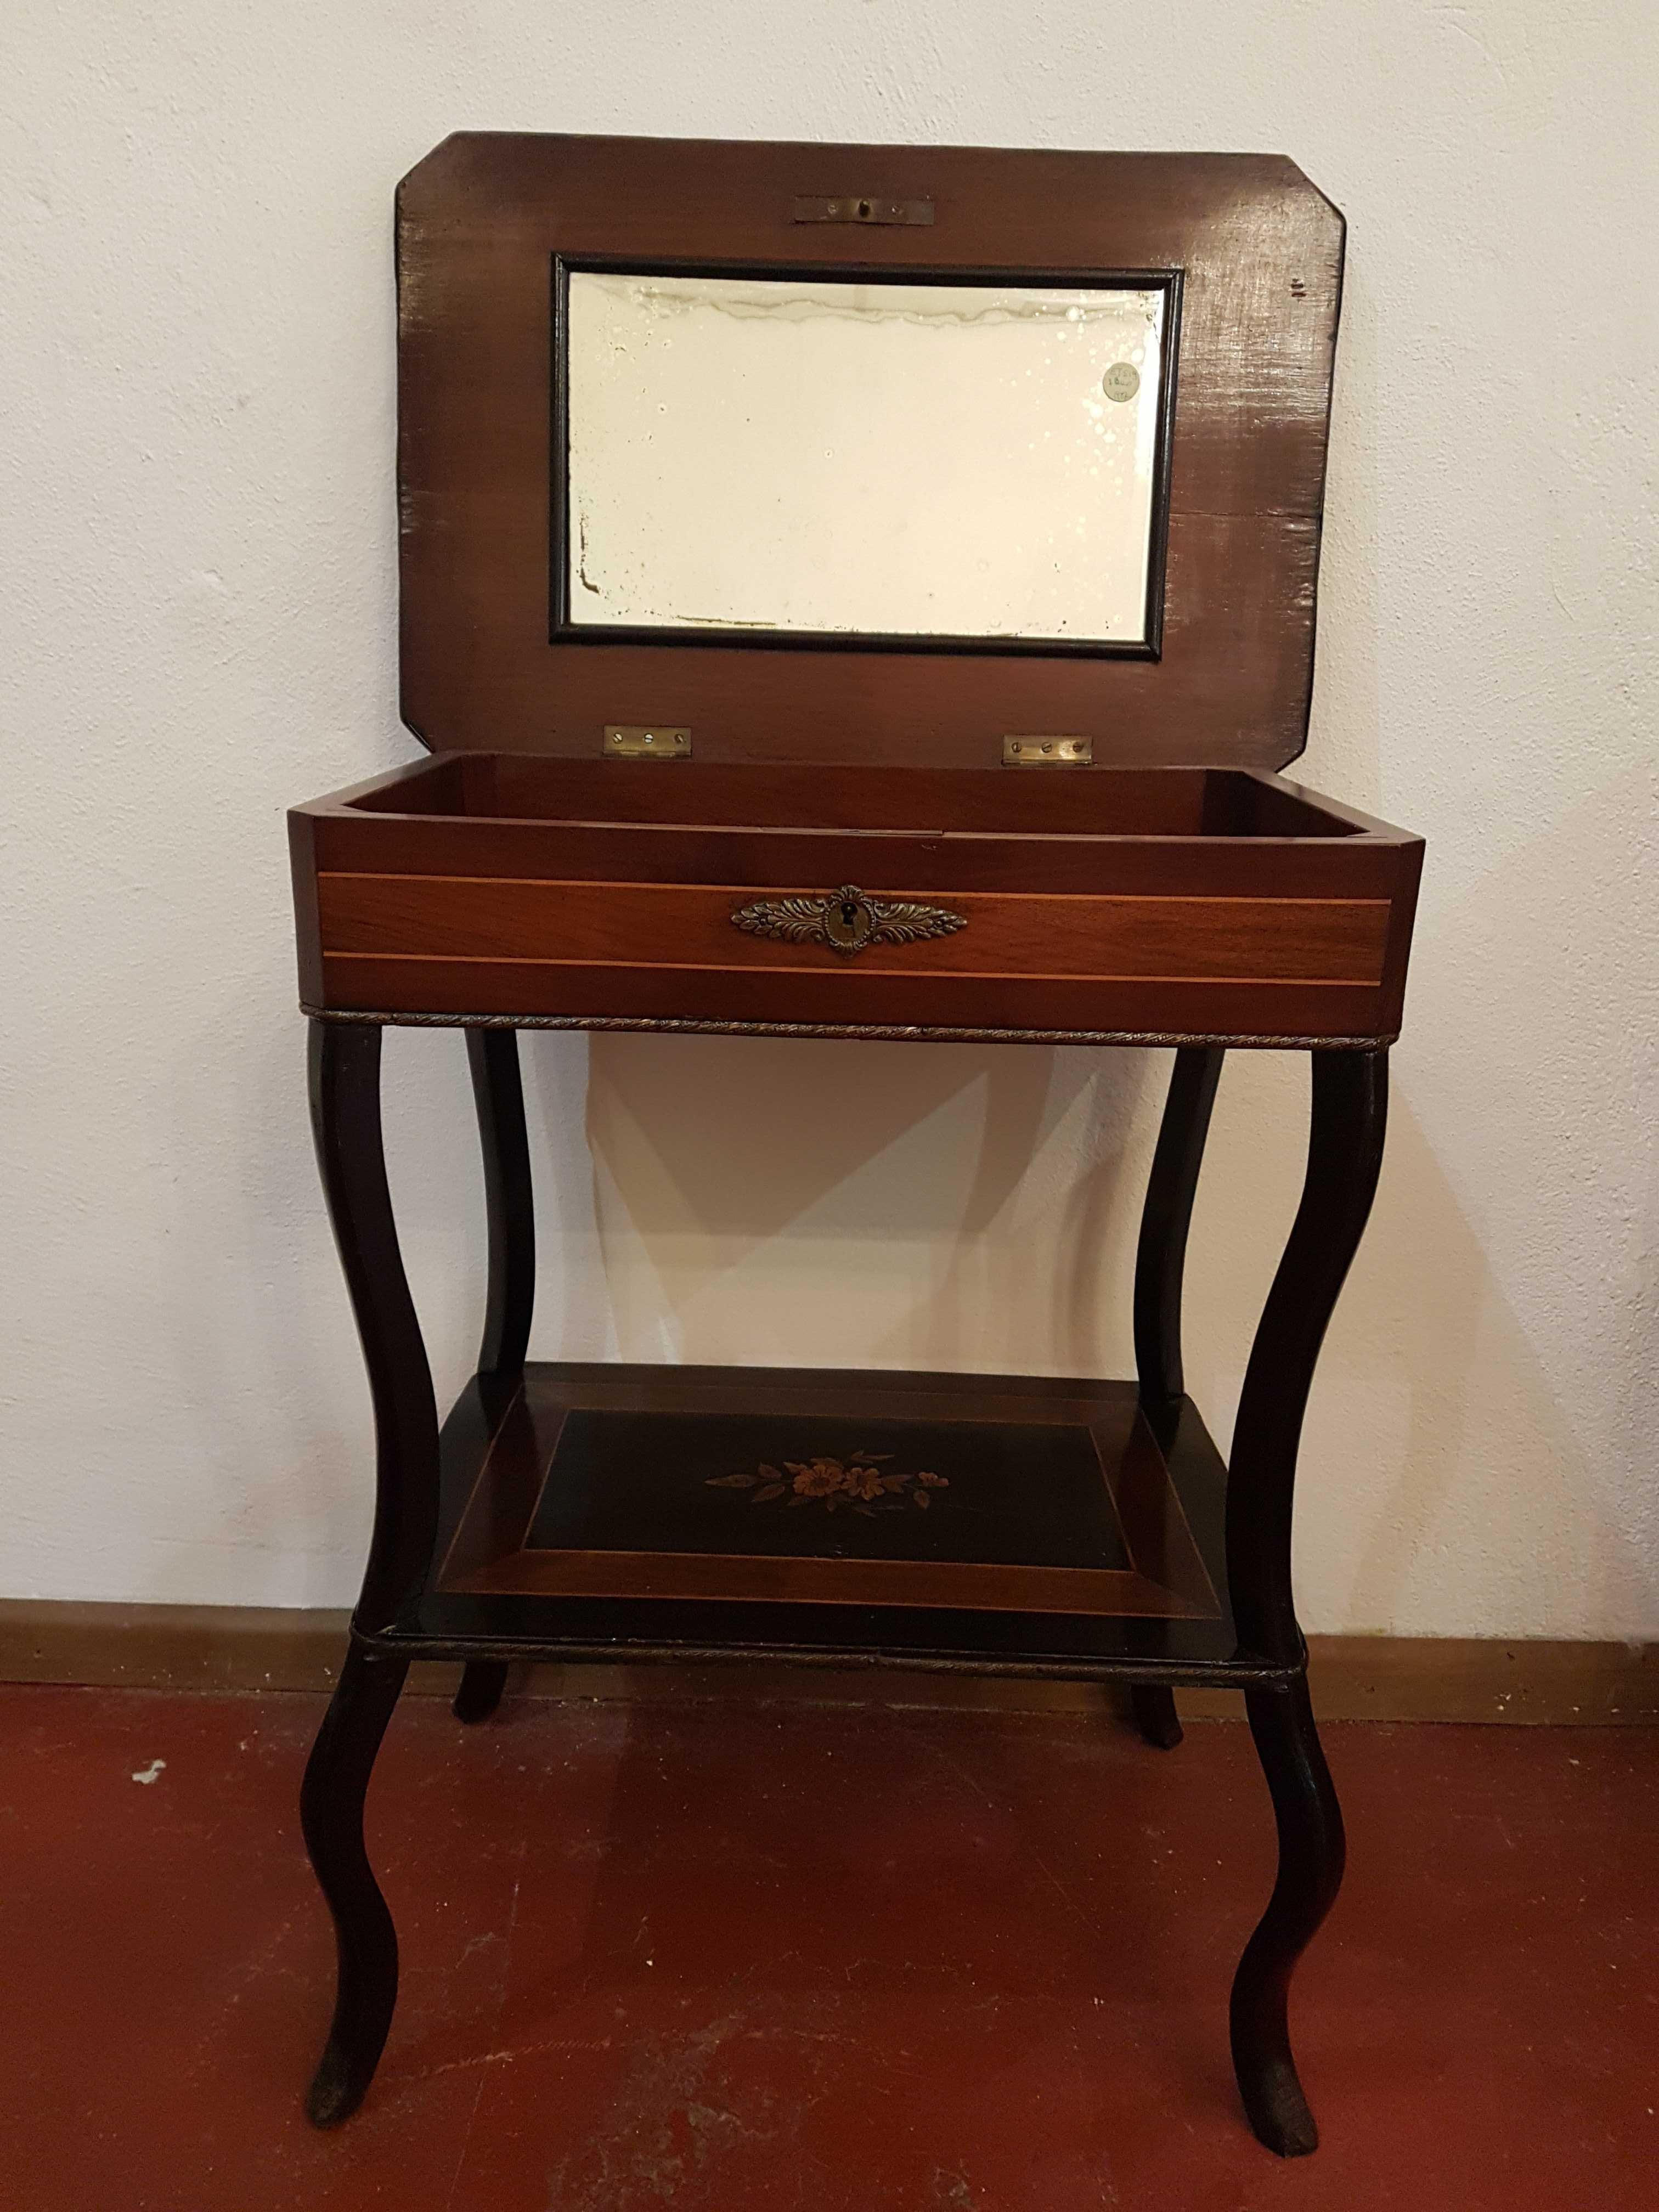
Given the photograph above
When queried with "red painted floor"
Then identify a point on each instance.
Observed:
(714, 1956)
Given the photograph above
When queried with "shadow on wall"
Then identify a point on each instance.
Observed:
(1529, 1321)
(844, 1205)
(1477, 1442)
(1444, 1487)
(838, 1203)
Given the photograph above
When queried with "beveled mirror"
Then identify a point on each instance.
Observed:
(911, 461)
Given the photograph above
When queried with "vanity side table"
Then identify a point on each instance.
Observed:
(1001, 760)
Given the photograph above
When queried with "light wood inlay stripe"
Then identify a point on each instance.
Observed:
(1113, 1592)
(1029, 936)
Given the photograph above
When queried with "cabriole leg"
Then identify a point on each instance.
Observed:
(509, 1203)
(346, 1106)
(1166, 1216)
(1311, 1850)
(345, 1119)
(366, 1943)
(1344, 1154)
(1160, 1267)
(509, 1200)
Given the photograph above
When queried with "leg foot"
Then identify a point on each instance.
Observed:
(1310, 1859)
(331, 1819)
(1155, 1715)
(483, 1681)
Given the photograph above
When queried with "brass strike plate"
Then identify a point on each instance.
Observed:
(647, 741)
(1047, 752)
(863, 207)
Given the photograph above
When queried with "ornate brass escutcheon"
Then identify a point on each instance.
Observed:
(846, 920)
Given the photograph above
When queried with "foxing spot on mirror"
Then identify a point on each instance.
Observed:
(811, 456)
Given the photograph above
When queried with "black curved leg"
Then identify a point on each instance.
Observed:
(1344, 1154)
(345, 1106)
(483, 1681)
(1155, 1715)
(366, 1942)
(1311, 1850)
(345, 1118)
(1161, 1255)
(509, 1203)
(1160, 1267)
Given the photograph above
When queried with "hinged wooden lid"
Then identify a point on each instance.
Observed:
(1259, 253)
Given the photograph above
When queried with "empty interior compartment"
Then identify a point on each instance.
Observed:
(1066, 802)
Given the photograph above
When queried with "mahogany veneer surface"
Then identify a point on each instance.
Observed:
(1256, 249)
(1177, 888)
(1096, 901)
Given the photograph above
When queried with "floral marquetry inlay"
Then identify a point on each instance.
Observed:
(861, 1482)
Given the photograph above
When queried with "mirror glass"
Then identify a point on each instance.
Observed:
(861, 458)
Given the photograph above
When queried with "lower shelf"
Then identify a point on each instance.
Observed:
(1012, 1524)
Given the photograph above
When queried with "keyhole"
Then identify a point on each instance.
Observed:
(864, 208)
(850, 915)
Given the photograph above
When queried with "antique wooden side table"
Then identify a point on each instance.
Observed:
(852, 591)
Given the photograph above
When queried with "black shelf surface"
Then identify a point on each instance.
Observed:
(981, 1523)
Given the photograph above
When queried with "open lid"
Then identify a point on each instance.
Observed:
(861, 454)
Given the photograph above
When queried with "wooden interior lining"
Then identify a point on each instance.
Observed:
(1071, 803)
(1128, 801)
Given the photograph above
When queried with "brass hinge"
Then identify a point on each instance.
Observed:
(643, 741)
(1047, 752)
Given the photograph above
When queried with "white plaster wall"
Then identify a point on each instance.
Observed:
(197, 617)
